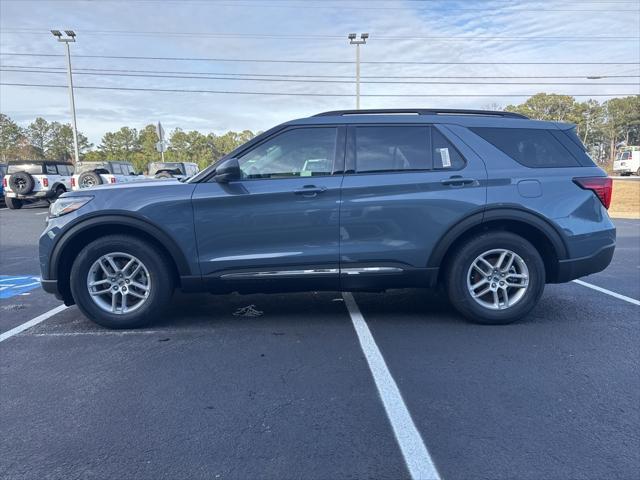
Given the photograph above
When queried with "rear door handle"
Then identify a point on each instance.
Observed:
(310, 190)
(458, 181)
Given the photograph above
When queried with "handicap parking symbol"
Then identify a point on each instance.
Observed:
(10, 286)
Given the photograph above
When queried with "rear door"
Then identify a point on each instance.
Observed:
(279, 222)
(405, 186)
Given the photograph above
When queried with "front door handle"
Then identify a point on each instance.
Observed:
(458, 181)
(310, 190)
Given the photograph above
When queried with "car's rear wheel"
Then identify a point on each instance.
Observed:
(120, 281)
(13, 203)
(495, 278)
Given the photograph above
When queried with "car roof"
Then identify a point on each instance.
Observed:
(466, 118)
(38, 162)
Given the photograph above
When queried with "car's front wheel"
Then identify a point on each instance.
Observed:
(121, 281)
(495, 278)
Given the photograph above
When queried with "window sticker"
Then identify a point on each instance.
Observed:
(444, 156)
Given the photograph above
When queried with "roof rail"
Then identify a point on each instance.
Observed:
(421, 111)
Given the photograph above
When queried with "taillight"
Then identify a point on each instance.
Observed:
(73, 182)
(4, 182)
(601, 186)
(112, 180)
(45, 182)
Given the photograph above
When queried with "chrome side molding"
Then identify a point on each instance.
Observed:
(315, 271)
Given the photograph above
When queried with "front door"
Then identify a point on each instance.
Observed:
(279, 222)
(405, 186)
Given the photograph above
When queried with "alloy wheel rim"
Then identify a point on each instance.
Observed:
(118, 283)
(498, 279)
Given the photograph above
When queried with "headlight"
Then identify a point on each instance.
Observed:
(65, 205)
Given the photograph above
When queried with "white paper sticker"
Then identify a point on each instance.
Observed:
(444, 156)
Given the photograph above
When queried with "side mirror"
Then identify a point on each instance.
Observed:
(228, 171)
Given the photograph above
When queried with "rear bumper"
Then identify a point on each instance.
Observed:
(32, 196)
(579, 267)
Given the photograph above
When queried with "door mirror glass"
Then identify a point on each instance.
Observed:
(227, 171)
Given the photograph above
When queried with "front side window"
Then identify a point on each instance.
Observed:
(300, 152)
(383, 149)
(530, 147)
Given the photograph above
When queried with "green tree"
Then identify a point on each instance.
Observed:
(230, 141)
(11, 138)
(60, 146)
(120, 145)
(548, 106)
(191, 146)
(39, 135)
(621, 122)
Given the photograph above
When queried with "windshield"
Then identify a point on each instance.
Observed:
(32, 168)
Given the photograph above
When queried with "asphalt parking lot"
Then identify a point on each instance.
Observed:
(285, 389)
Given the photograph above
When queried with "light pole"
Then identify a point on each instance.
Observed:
(357, 43)
(71, 37)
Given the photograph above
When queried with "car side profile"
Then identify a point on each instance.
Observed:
(490, 205)
(31, 181)
(91, 174)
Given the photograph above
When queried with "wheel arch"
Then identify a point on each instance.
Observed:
(79, 235)
(536, 229)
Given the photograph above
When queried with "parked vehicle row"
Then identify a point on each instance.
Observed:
(490, 205)
(31, 181)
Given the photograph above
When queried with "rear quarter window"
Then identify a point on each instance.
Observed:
(535, 148)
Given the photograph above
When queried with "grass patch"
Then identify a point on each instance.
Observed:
(626, 199)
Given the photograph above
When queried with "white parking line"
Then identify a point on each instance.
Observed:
(414, 451)
(42, 213)
(34, 321)
(608, 292)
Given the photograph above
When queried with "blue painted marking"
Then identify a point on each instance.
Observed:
(10, 286)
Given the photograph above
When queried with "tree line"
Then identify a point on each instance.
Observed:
(602, 126)
(43, 140)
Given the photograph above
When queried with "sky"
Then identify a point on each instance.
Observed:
(443, 38)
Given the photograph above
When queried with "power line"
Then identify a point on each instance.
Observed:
(192, 77)
(442, 38)
(594, 76)
(300, 94)
(334, 62)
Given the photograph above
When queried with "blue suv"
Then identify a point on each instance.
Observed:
(491, 205)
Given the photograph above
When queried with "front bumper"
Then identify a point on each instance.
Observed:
(573, 268)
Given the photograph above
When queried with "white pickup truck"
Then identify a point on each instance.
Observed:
(90, 174)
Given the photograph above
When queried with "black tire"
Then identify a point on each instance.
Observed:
(162, 282)
(458, 271)
(21, 183)
(638, 172)
(89, 179)
(13, 203)
(58, 191)
(164, 175)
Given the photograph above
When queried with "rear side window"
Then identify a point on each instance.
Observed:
(51, 169)
(116, 168)
(530, 147)
(445, 156)
(383, 149)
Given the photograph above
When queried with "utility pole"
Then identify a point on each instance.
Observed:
(71, 37)
(357, 43)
